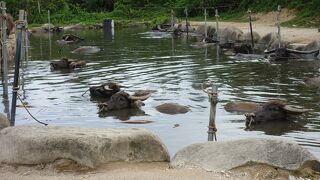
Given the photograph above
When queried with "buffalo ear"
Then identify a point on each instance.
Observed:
(297, 110)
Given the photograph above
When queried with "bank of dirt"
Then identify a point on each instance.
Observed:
(140, 171)
(265, 23)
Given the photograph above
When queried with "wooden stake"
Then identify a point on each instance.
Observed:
(278, 24)
(20, 27)
(251, 32)
(186, 12)
(205, 23)
(213, 99)
(217, 25)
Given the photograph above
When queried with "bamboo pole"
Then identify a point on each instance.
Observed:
(20, 28)
(39, 8)
(250, 25)
(172, 19)
(49, 23)
(4, 57)
(217, 25)
(26, 37)
(278, 24)
(205, 23)
(4, 48)
(186, 13)
(213, 99)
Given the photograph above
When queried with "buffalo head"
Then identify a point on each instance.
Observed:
(243, 49)
(69, 39)
(64, 63)
(105, 90)
(273, 111)
(122, 100)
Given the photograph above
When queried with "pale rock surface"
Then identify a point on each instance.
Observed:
(87, 146)
(225, 155)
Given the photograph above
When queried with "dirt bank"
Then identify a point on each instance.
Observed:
(293, 35)
(265, 23)
(141, 171)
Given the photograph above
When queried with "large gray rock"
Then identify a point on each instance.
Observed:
(225, 155)
(87, 146)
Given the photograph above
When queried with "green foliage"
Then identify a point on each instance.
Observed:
(155, 11)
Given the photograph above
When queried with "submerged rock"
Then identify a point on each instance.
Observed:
(225, 155)
(87, 50)
(87, 146)
(172, 108)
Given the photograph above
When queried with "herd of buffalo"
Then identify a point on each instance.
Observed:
(233, 42)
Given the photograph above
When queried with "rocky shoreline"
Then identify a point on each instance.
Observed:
(92, 153)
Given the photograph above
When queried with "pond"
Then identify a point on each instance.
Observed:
(173, 68)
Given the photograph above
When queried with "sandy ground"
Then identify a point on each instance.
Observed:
(265, 23)
(140, 171)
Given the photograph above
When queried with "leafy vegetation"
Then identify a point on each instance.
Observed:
(155, 11)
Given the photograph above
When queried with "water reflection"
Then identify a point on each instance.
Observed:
(280, 128)
(124, 114)
(138, 60)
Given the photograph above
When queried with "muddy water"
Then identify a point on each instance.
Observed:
(175, 70)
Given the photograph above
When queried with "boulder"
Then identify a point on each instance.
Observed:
(172, 108)
(225, 155)
(86, 146)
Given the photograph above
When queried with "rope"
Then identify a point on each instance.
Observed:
(29, 111)
(85, 92)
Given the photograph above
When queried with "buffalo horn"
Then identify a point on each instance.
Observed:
(295, 109)
(106, 87)
(141, 98)
(271, 51)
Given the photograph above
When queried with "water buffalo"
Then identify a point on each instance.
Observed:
(65, 63)
(164, 26)
(183, 27)
(87, 50)
(172, 108)
(69, 39)
(231, 35)
(256, 37)
(211, 31)
(122, 100)
(273, 111)
(279, 54)
(105, 90)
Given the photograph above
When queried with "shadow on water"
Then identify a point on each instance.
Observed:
(173, 68)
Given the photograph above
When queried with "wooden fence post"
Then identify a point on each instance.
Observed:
(213, 99)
